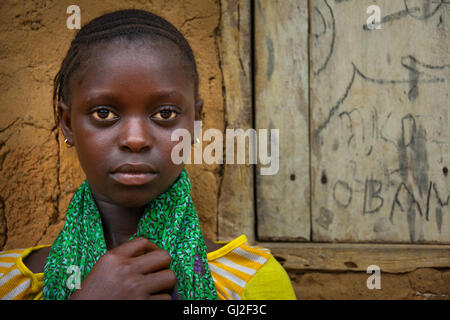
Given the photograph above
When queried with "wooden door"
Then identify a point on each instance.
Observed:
(363, 120)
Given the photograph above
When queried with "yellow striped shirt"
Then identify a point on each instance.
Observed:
(17, 282)
(239, 271)
(233, 265)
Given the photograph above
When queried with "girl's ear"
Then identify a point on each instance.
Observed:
(64, 118)
(198, 110)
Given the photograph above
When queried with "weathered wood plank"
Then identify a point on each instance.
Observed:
(281, 103)
(380, 144)
(357, 257)
(236, 214)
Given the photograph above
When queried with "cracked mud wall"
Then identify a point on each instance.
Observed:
(38, 174)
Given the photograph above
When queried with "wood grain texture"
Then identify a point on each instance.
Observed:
(236, 205)
(281, 102)
(357, 257)
(380, 122)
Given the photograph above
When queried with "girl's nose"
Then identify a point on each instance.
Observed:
(135, 136)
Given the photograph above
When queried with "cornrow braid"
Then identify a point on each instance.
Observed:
(128, 24)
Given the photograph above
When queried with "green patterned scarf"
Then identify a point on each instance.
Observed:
(170, 221)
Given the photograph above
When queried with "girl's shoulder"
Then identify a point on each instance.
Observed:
(35, 261)
(212, 246)
(246, 272)
(17, 280)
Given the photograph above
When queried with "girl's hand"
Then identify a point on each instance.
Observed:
(137, 270)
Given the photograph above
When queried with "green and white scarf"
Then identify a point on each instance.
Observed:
(170, 221)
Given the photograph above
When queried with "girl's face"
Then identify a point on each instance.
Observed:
(124, 107)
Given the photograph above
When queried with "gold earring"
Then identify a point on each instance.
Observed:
(66, 142)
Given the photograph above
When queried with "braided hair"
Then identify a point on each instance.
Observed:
(128, 24)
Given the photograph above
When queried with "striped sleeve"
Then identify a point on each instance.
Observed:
(234, 265)
(17, 282)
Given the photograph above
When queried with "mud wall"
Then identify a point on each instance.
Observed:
(38, 174)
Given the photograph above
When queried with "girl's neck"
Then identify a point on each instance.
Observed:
(119, 223)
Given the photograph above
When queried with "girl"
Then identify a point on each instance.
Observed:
(128, 81)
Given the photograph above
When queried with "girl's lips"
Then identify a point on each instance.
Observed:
(134, 174)
(133, 179)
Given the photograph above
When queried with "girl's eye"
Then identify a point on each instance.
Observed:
(166, 114)
(104, 114)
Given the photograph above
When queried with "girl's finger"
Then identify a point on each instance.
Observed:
(160, 282)
(152, 261)
(135, 247)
